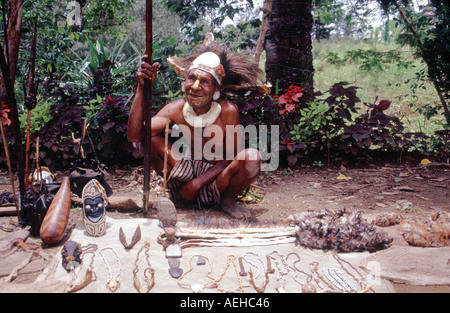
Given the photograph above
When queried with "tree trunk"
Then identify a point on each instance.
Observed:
(13, 30)
(288, 44)
(8, 62)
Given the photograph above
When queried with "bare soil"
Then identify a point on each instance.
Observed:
(408, 189)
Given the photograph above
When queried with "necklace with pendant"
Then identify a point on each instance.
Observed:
(113, 282)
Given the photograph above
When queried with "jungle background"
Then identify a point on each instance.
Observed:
(353, 80)
(359, 90)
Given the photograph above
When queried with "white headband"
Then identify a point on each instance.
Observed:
(209, 62)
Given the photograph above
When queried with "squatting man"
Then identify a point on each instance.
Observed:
(201, 175)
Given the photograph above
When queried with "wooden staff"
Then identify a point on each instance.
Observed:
(166, 154)
(8, 162)
(147, 105)
(31, 93)
(37, 174)
(4, 65)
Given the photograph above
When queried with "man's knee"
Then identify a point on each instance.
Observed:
(157, 141)
(249, 154)
(252, 161)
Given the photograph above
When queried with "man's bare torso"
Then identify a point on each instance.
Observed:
(208, 143)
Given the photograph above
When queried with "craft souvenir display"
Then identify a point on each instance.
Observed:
(334, 279)
(94, 208)
(198, 288)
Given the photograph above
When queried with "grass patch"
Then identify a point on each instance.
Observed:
(382, 71)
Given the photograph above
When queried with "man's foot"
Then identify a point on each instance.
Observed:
(235, 210)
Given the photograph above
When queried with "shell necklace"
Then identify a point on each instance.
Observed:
(113, 282)
(202, 120)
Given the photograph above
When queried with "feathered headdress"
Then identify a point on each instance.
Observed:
(240, 72)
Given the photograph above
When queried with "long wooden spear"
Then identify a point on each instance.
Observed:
(8, 162)
(147, 105)
(30, 96)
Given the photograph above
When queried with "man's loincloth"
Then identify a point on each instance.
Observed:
(186, 170)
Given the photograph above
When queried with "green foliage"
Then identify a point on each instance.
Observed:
(334, 59)
(312, 129)
(201, 16)
(313, 122)
(396, 80)
(39, 116)
(430, 37)
(369, 60)
(107, 17)
(98, 88)
(88, 72)
(343, 18)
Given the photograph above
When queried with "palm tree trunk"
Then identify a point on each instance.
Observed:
(288, 44)
(13, 30)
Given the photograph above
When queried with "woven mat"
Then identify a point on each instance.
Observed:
(8, 263)
(218, 257)
(412, 265)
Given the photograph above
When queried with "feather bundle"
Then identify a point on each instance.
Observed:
(427, 231)
(241, 72)
(340, 231)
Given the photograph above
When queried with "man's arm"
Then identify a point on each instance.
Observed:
(190, 189)
(135, 128)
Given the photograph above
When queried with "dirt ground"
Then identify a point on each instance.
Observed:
(279, 196)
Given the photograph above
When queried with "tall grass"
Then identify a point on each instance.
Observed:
(393, 81)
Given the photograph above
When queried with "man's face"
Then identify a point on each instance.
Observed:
(200, 88)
